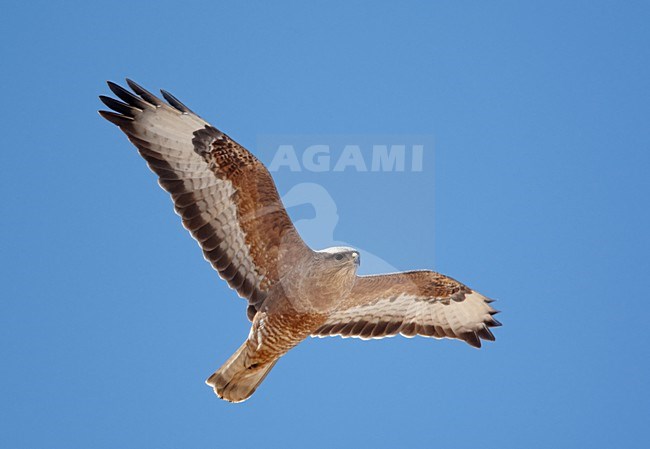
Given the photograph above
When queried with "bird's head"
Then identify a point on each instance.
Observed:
(340, 257)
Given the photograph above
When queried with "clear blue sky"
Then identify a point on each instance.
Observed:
(110, 320)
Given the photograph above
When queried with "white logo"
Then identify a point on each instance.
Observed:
(360, 158)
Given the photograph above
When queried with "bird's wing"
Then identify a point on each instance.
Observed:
(225, 196)
(412, 303)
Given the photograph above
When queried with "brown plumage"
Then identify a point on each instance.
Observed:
(229, 203)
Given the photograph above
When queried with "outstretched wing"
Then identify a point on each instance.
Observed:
(412, 303)
(225, 196)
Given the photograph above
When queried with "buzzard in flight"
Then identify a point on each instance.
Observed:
(229, 203)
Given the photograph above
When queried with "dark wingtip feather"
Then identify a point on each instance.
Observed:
(494, 323)
(144, 93)
(486, 334)
(175, 102)
(117, 106)
(116, 119)
(472, 339)
(127, 96)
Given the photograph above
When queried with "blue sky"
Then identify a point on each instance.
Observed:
(535, 192)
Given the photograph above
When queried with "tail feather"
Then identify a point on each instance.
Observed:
(237, 379)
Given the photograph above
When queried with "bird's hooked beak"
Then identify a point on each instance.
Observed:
(357, 258)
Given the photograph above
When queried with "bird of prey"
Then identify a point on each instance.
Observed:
(228, 202)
